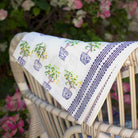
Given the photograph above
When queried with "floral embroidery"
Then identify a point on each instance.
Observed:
(92, 46)
(71, 81)
(53, 76)
(41, 53)
(24, 47)
(63, 53)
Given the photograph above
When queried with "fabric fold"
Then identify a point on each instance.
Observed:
(77, 74)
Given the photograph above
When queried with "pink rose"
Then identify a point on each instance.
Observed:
(3, 14)
(27, 5)
(78, 4)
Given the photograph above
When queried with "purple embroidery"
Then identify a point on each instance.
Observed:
(66, 93)
(85, 58)
(21, 61)
(97, 80)
(24, 47)
(89, 76)
(63, 53)
(37, 65)
(46, 86)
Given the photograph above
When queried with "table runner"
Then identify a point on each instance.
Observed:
(77, 74)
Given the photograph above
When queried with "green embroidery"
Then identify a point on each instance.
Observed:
(52, 72)
(71, 80)
(93, 46)
(72, 42)
(40, 51)
(24, 47)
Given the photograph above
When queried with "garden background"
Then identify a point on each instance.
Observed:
(87, 20)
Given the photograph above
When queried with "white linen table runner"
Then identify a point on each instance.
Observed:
(77, 74)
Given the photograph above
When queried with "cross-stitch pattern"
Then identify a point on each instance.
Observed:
(92, 46)
(63, 53)
(53, 75)
(24, 47)
(71, 81)
(41, 53)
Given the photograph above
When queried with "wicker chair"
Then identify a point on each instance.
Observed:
(49, 119)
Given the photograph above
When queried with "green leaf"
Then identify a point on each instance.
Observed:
(42, 4)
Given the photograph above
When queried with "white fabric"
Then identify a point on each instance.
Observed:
(77, 74)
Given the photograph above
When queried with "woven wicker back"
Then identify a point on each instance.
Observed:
(57, 122)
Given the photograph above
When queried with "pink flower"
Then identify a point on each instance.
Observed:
(3, 14)
(15, 103)
(78, 4)
(131, 7)
(126, 87)
(104, 14)
(114, 87)
(11, 124)
(73, 4)
(2, 120)
(7, 135)
(88, 1)
(127, 98)
(77, 22)
(104, 9)
(27, 5)
(11, 105)
(114, 96)
(20, 125)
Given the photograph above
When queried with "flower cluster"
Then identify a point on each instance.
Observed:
(15, 103)
(126, 89)
(13, 120)
(27, 5)
(104, 9)
(3, 14)
(11, 125)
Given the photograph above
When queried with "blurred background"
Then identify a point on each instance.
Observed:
(87, 20)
